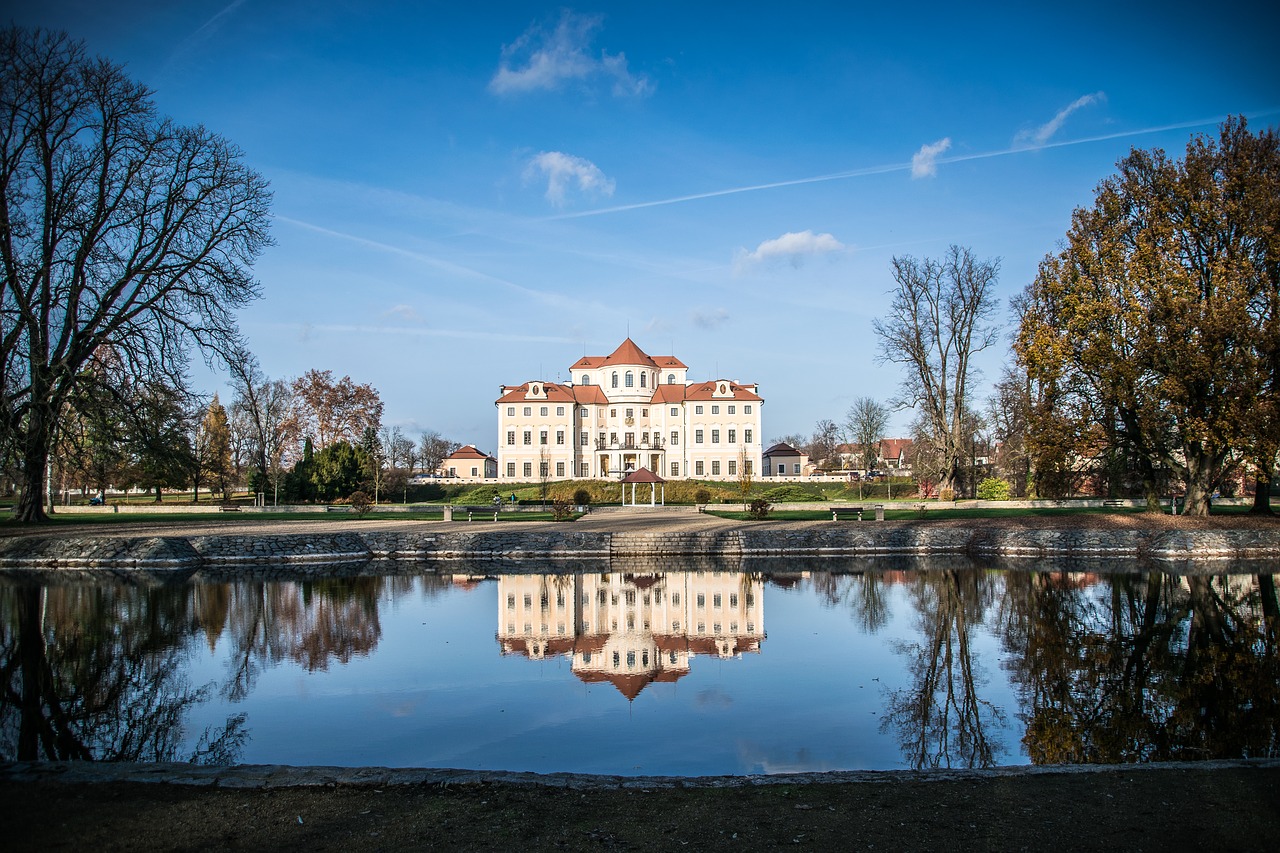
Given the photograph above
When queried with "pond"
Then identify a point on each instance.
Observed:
(690, 670)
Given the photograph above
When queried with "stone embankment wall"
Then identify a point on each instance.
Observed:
(601, 549)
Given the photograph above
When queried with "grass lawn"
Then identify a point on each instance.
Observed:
(821, 513)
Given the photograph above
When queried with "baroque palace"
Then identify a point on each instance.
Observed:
(625, 411)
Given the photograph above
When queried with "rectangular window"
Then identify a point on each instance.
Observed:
(613, 413)
(584, 412)
(697, 468)
(559, 436)
(733, 467)
(528, 469)
(702, 599)
(528, 411)
(613, 438)
(584, 469)
(602, 438)
(511, 469)
(542, 437)
(542, 469)
(697, 436)
(746, 410)
(797, 467)
(675, 412)
(644, 438)
(542, 412)
(746, 436)
(474, 472)
(559, 469)
(715, 467)
(511, 436)
(675, 437)
(717, 600)
(644, 413)
(528, 437)
(675, 469)
(584, 438)
(631, 413)
(559, 411)
(453, 472)
(630, 439)
(715, 410)
(733, 436)
(732, 409)
(715, 436)
(697, 410)
(747, 466)
(511, 411)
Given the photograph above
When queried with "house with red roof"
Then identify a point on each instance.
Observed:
(625, 411)
(468, 463)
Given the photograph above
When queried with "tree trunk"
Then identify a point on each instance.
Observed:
(35, 467)
(1262, 493)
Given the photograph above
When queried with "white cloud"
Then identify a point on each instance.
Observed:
(404, 312)
(924, 163)
(563, 170)
(546, 60)
(794, 246)
(710, 319)
(1045, 132)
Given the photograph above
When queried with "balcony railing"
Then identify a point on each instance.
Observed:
(652, 444)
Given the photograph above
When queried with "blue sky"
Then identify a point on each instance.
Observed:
(467, 197)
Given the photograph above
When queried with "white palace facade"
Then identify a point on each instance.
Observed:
(625, 411)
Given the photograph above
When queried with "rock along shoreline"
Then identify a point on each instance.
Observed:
(1188, 551)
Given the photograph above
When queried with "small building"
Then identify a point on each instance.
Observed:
(783, 460)
(468, 463)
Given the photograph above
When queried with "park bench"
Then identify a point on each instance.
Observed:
(479, 510)
(230, 507)
(845, 512)
(1113, 503)
(337, 509)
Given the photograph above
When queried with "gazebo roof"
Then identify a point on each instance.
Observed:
(642, 475)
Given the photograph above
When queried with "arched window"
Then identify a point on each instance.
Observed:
(615, 379)
(586, 380)
(642, 380)
(671, 379)
(631, 379)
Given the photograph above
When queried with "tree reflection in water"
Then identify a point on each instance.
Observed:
(1152, 667)
(96, 672)
(940, 719)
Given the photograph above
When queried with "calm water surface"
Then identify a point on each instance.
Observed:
(684, 672)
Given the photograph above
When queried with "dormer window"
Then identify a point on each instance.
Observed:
(586, 380)
(671, 379)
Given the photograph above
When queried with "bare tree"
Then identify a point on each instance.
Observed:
(117, 228)
(938, 320)
(265, 407)
(822, 446)
(866, 422)
(330, 410)
(433, 449)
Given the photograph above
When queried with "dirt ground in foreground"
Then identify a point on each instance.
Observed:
(1224, 809)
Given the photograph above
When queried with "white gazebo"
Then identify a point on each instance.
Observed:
(644, 475)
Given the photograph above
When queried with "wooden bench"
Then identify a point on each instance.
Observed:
(337, 509)
(1113, 503)
(479, 510)
(230, 507)
(844, 512)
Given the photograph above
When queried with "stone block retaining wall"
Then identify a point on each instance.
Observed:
(652, 548)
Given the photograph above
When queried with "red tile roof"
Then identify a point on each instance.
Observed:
(468, 451)
(644, 475)
(706, 391)
(628, 353)
(782, 449)
(555, 393)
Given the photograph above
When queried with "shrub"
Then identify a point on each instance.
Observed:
(702, 495)
(946, 494)
(993, 489)
(561, 510)
(360, 502)
(790, 494)
(581, 497)
(759, 509)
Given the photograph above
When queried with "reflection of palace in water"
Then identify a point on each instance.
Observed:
(630, 630)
